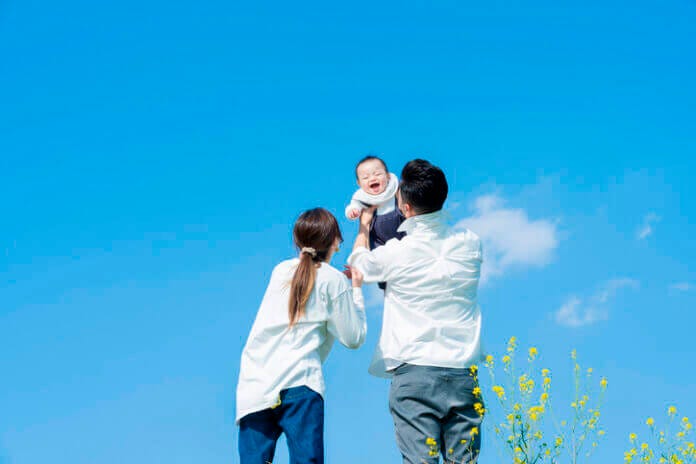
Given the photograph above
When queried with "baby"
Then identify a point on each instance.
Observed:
(377, 188)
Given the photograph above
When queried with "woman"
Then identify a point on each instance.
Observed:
(307, 305)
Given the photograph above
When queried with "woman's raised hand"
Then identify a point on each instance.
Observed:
(355, 275)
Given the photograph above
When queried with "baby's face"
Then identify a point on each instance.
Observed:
(372, 177)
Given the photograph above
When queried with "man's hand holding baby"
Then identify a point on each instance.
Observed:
(366, 216)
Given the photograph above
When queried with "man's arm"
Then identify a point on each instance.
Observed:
(363, 238)
(373, 264)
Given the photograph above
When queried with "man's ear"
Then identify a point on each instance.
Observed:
(407, 210)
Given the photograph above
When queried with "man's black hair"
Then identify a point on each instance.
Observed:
(423, 186)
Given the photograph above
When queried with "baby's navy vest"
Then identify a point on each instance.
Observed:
(384, 228)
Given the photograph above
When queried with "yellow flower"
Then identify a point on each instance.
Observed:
(430, 441)
(632, 437)
(573, 354)
(498, 390)
(474, 431)
(601, 433)
(476, 391)
(512, 344)
(589, 370)
(545, 372)
(510, 418)
(603, 383)
(450, 451)
(489, 359)
(533, 352)
(538, 435)
(480, 410)
(671, 410)
(506, 359)
(650, 421)
(474, 369)
(644, 446)
(559, 441)
(544, 397)
(547, 381)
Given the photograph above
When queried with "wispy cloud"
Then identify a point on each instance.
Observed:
(648, 226)
(682, 286)
(578, 311)
(510, 238)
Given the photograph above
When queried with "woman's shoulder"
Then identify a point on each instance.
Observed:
(285, 266)
(331, 280)
(327, 271)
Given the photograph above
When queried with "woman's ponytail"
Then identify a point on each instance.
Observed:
(315, 233)
(301, 286)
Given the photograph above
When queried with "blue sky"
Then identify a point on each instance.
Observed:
(153, 157)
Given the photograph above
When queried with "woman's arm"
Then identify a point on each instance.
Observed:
(347, 320)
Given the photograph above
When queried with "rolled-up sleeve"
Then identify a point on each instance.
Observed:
(347, 322)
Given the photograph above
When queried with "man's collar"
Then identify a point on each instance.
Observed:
(422, 221)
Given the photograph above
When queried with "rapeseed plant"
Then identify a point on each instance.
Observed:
(530, 432)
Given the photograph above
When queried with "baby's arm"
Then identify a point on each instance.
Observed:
(353, 209)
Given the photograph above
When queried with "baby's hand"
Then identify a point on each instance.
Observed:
(354, 213)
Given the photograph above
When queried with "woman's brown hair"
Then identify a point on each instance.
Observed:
(315, 232)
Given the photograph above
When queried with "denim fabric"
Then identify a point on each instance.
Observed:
(300, 415)
(436, 403)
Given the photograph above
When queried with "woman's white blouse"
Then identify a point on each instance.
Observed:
(277, 357)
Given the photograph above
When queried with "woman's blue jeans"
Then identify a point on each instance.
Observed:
(300, 415)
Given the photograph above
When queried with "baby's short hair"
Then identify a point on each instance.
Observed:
(370, 158)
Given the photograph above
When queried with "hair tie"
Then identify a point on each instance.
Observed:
(310, 251)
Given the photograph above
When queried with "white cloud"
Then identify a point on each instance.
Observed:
(682, 286)
(648, 227)
(510, 238)
(573, 314)
(578, 312)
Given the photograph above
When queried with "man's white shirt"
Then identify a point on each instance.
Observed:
(431, 312)
(277, 357)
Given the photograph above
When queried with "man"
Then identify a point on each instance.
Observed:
(430, 340)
